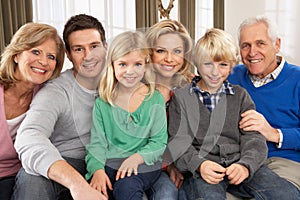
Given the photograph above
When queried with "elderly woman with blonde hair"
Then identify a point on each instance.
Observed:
(34, 56)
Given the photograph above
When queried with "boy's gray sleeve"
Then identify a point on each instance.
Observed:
(253, 145)
(182, 132)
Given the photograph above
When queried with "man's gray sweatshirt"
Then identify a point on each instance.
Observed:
(57, 124)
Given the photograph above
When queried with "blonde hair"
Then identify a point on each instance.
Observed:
(217, 45)
(122, 45)
(28, 36)
(173, 27)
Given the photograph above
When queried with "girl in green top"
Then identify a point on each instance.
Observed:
(129, 132)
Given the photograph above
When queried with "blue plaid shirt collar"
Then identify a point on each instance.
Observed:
(210, 100)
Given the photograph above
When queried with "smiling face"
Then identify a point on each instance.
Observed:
(37, 64)
(130, 69)
(87, 54)
(213, 74)
(257, 49)
(168, 55)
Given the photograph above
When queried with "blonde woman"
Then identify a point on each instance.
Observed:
(34, 55)
(171, 47)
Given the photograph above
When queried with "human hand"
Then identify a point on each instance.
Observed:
(175, 175)
(129, 166)
(86, 192)
(254, 121)
(212, 172)
(62, 172)
(99, 182)
(237, 173)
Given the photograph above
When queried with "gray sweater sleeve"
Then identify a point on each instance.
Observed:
(36, 152)
(182, 131)
(253, 145)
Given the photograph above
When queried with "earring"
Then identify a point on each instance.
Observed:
(15, 60)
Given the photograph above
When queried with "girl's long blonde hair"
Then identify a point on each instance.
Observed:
(122, 45)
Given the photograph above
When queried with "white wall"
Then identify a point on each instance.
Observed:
(284, 12)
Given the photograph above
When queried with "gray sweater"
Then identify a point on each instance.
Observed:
(57, 124)
(196, 134)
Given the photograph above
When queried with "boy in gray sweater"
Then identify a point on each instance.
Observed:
(205, 140)
(51, 140)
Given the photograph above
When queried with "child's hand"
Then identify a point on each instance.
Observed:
(237, 173)
(212, 172)
(99, 181)
(129, 166)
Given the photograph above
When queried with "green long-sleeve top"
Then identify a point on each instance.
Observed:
(117, 133)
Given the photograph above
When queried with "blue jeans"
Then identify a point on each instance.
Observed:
(130, 188)
(264, 184)
(6, 187)
(165, 189)
(30, 187)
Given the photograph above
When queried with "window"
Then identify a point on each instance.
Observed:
(116, 15)
(204, 17)
(286, 17)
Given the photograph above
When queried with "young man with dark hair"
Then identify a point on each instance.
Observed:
(51, 140)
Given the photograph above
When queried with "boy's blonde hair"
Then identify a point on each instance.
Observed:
(218, 45)
(122, 45)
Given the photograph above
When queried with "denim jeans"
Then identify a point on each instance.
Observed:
(165, 189)
(130, 188)
(6, 187)
(31, 187)
(264, 184)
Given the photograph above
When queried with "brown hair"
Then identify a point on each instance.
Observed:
(82, 22)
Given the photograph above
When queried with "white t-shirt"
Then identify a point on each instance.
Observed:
(14, 124)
